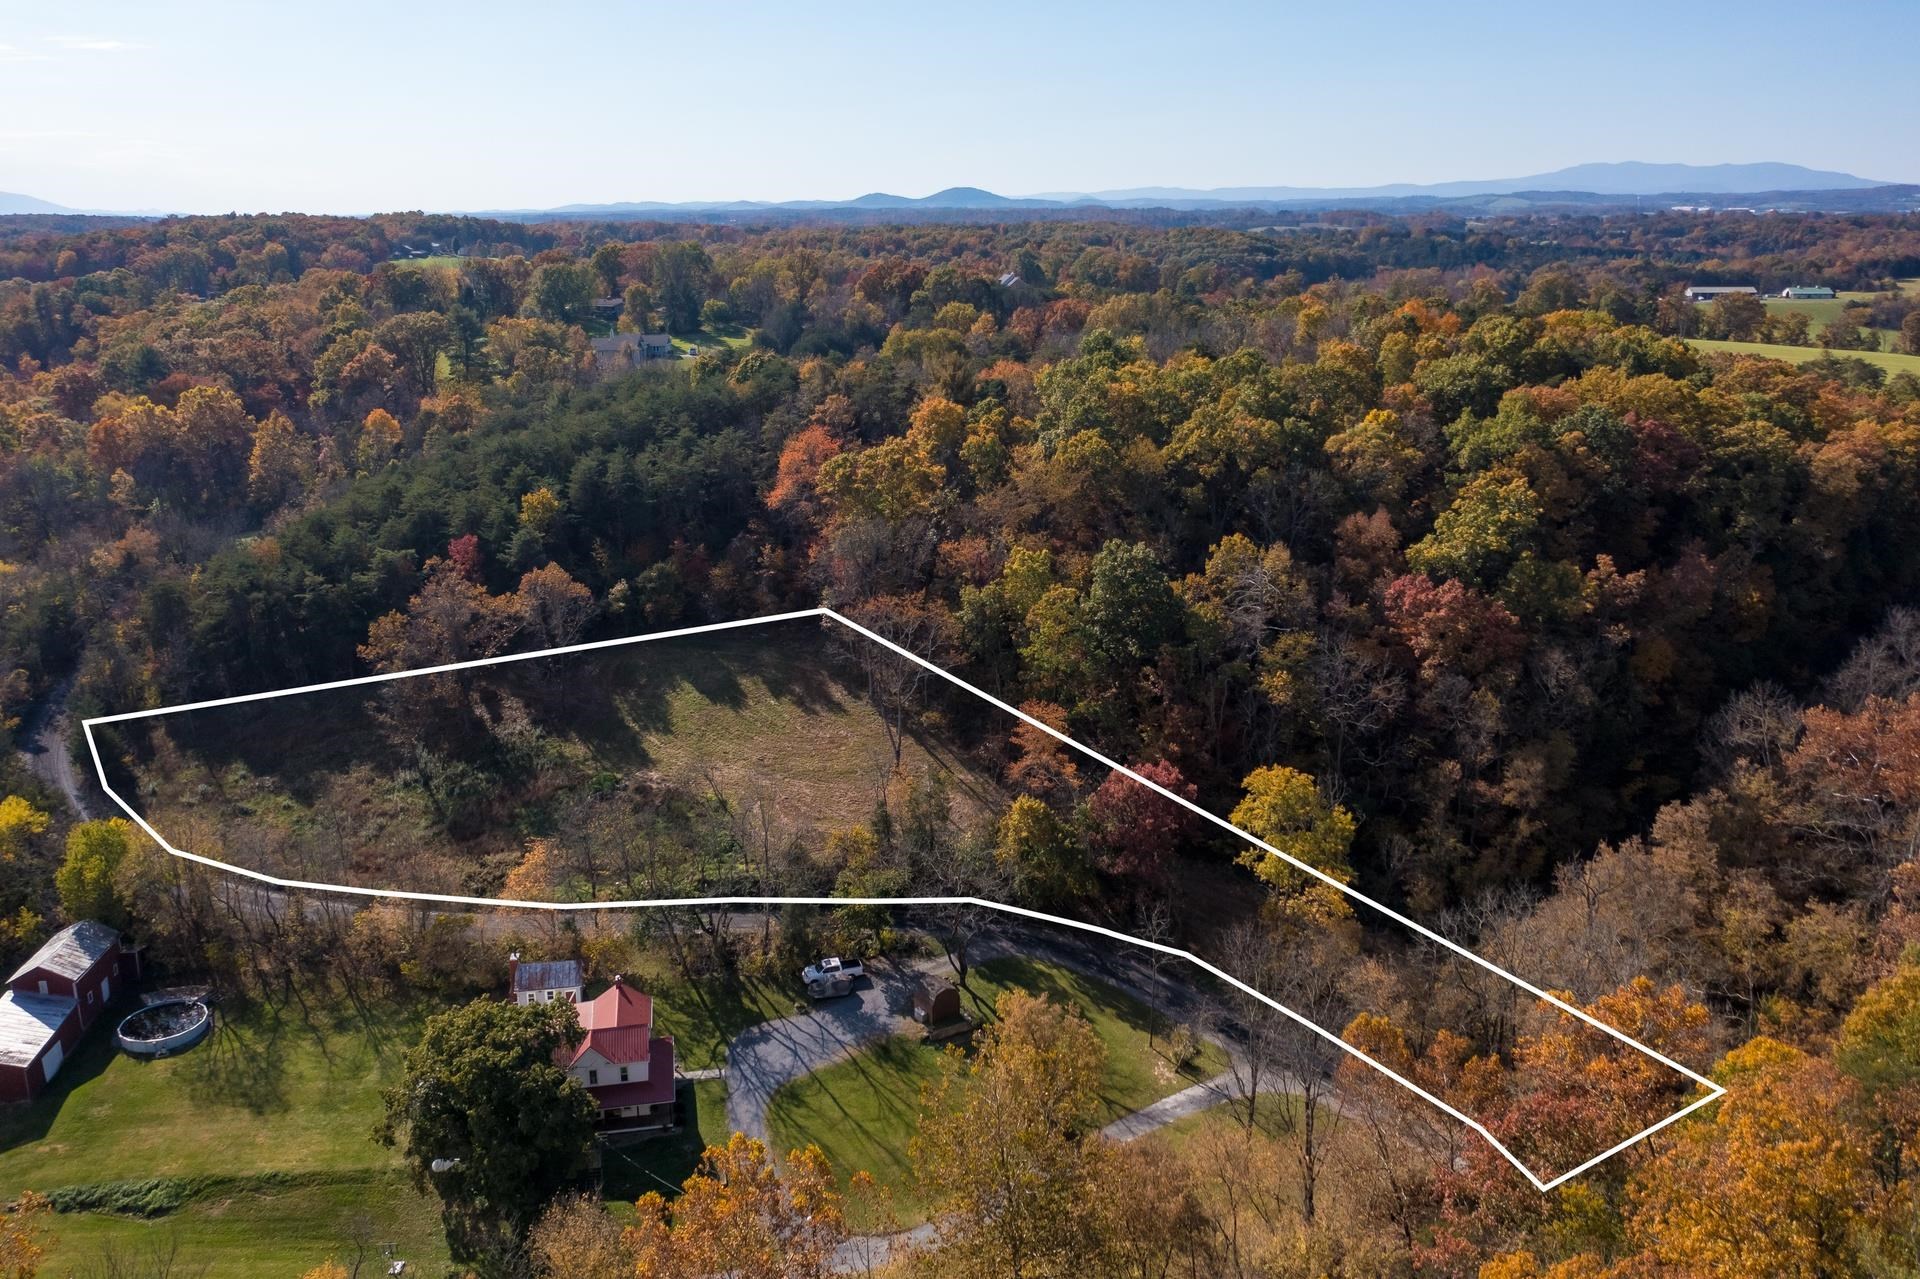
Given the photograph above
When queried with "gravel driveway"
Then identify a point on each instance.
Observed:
(773, 1053)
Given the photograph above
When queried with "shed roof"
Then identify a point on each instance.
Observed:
(71, 951)
(28, 1024)
(557, 974)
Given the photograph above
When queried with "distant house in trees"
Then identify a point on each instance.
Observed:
(1808, 292)
(623, 1065)
(1708, 292)
(542, 983)
(53, 998)
(615, 355)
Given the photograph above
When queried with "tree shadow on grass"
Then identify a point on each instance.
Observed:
(705, 1016)
(242, 1063)
(662, 1163)
(891, 1072)
(1084, 993)
(300, 743)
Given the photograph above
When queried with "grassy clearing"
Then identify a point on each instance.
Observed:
(273, 1230)
(1892, 362)
(1821, 312)
(771, 717)
(707, 339)
(278, 1105)
(863, 1111)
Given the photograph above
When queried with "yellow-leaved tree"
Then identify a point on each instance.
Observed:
(1009, 1151)
(1284, 807)
(738, 1215)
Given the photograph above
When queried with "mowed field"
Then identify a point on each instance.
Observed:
(324, 786)
(1893, 362)
(263, 1135)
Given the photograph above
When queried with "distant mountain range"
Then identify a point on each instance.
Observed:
(1584, 184)
(1771, 185)
(1630, 177)
(11, 203)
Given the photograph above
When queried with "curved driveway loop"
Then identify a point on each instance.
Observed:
(761, 1059)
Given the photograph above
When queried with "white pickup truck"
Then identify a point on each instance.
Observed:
(832, 970)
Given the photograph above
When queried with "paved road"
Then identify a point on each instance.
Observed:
(1225, 1086)
(43, 744)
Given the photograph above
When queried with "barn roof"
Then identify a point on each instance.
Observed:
(28, 1024)
(71, 951)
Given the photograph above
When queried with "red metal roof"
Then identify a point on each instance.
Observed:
(656, 1088)
(620, 1047)
(619, 1025)
(616, 1006)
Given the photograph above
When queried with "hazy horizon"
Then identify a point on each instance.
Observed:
(214, 105)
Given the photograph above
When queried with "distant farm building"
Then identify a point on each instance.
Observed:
(623, 1065)
(615, 355)
(1708, 292)
(1808, 292)
(53, 998)
(543, 983)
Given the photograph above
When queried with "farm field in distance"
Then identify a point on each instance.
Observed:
(1891, 361)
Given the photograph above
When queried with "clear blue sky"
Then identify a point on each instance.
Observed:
(351, 107)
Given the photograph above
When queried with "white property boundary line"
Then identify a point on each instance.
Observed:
(1714, 1091)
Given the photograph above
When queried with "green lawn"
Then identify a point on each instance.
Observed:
(662, 1163)
(274, 1231)
(707, 339)
(1890, 361)
(278, 1105)
(862, 1112)
(271, 1090)
(704, 1017)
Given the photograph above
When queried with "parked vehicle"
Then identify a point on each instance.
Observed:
(829, 988)
(833, 967)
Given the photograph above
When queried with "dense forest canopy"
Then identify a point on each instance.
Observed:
(1432, 544)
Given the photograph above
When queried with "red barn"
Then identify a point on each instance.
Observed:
(52, 999)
